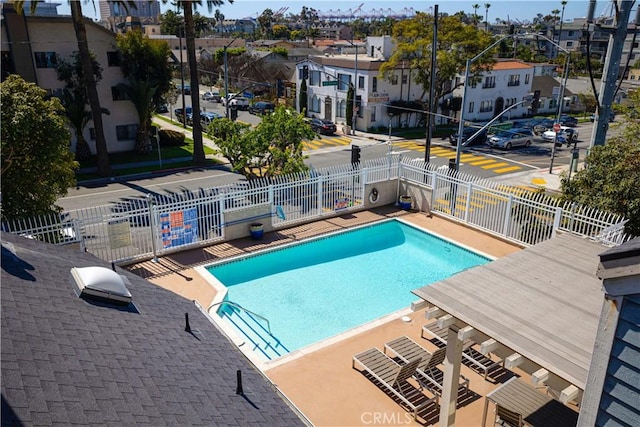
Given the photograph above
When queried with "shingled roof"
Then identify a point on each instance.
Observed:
(68, 360)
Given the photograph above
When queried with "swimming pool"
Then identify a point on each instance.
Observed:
(319, 288)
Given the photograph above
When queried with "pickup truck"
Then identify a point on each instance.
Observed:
(239, 102)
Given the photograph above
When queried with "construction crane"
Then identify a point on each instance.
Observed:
(357, 10)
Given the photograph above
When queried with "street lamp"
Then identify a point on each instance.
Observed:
(355, 88)
(226, 79)
(464, 96)
(560, 96)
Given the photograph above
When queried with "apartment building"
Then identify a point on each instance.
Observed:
(32, 46)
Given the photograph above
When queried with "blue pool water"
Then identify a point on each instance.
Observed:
(320, 288)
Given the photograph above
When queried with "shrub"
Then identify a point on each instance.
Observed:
(171, 138)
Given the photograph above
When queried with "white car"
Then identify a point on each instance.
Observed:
(566, 135)
(240, 102)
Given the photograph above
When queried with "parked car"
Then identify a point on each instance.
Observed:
(323, 126)
(162, 108)
(507, 139)
(262, 107)
(239, 102)
(566, 135)
(186, 89)
(211, 96)
(468, 132)
(566, 120)
(206, 117)
(543, 126)
(612, 116)
(180, 114)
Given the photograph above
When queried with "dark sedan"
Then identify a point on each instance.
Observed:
(467, 133)
(569, 121)
(323, 126)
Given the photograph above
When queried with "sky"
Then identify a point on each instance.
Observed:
(504, 9)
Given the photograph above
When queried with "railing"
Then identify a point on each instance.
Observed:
(238, 306)
(144, 227)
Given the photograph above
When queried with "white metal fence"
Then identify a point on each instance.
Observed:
(141, 227)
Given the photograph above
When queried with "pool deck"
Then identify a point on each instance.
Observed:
(322, 382)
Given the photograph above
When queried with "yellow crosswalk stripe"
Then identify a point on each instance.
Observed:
(481, 162)
(495, 165)
(508, 169)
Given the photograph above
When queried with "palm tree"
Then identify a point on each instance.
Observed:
(219, 18)
(486, 16)
(475, 13)
(187, 7)
(102, 154)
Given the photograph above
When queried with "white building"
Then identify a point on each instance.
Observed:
(31, 47)
(330, 76)
(507, 83)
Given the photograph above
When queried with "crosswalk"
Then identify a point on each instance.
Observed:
(487, 163)
(325, 141)
(479, 200)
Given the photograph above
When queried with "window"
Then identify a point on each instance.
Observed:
(404, 79)
(113, 59)
(394, 80)
(46, 59)
(360, 82)
(126, 132)
(471, 106)
(486, 106)
(315, 104)
(359, 106)
(526, 79)
(489, 82)
(342, 109)
(571, 33)
(514, 80)
(344, 81)
(472, 82)
(120, 93)
(374, 83)
(373, 114)
(314, 78)
(569, 44)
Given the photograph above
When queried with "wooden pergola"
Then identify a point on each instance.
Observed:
(537, 308)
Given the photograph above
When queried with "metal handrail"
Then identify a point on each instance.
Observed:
(242, 308)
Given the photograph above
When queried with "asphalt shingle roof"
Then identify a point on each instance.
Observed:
(66, 360)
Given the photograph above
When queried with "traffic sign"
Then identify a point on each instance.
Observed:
(556, 127)
(330, 83)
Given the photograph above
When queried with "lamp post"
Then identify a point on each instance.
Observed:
(226, 79)
(563, 85)
(464, 96)
(355, 88)
(184, 107)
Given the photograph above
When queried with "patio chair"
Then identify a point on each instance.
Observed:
(392, 378)
(508, 417)
(427, 371)
(471, 356)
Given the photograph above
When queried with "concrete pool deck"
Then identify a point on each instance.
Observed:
(322, 383)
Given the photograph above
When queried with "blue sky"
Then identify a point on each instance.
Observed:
(504, 9)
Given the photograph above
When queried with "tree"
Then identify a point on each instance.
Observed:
(37, 166)
(274, 147)
(457, 42)
(145, 65)
(74, 99)
(102, 154)
(475, 7)
(610, 180)
(280, 32)
(219, 18)
(486, 16)
(171, 23)
(187, 7)
(265, 20)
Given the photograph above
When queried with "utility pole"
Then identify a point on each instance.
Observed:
(610, 72)
(432, 86)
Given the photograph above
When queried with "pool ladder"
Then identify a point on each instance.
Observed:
(268, 345)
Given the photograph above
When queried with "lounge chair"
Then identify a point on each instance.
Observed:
(392, 378)
(427, 371)
(472, 357)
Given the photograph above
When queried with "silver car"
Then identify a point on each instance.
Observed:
(507, 139)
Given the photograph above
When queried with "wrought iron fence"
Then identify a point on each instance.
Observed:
(140, 227)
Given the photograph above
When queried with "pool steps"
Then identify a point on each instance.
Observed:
(247, 324)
